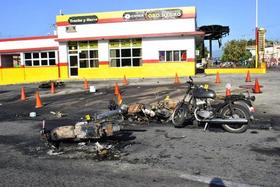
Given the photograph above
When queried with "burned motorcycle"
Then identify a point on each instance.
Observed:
(90, 128)
(234, 113)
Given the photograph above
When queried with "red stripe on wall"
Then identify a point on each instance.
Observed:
(190, 59)
(62, 23)
(195, 33)
(150, 61)
(117, 20)
(62, 64)
(27, 67)
(28, 38)
(103, 62)
(28, 49)
(111, 20)
(40, 66)
(190, 15)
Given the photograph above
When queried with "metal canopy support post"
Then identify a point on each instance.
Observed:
(210, 48)
(203, 49)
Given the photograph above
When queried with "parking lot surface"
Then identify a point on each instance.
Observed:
(152, 154)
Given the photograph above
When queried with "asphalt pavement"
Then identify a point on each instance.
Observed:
(144, 155)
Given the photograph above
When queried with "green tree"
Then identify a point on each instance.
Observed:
(235, 51)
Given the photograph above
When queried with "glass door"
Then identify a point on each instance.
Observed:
(73, 67)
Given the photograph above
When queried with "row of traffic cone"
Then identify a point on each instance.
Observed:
(218, 79)
(256, 88)
(86, 84)
(37, 97)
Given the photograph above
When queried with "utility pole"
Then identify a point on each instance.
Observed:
(257, 35)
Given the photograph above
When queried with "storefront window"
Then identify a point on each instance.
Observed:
(125, 53)
(162, 56)
(89, 59)
(183, 55)
(87, 52)
(176, 55)
(173, 56)
(27, 55)
(72, 46)
(169, 56)
(45, 58)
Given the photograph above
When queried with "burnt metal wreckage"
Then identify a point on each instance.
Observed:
(57, 84)
(90, 128)
(111, 122)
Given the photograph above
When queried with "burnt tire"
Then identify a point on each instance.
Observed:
(179, 115)
(239, 111)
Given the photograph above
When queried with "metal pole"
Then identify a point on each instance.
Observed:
(257, 35)
(257, 13)
(210, 48)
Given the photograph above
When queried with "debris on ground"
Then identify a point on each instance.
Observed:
(102, 151)
(32, 114)
(93, 151)
(57, 84)
(58, 114)
(173, 137)
(53, 152)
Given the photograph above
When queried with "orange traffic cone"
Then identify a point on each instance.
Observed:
(117, 89)
(38, 100)
(23, 96)
(248, 77)
(177, 80)
(228, 87)
(86, 87)
(218, 79)
(257, 87)
(52, 88)
(125, 82)
(228, 92)
(119, 97)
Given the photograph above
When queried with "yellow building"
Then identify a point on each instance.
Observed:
(106, 45)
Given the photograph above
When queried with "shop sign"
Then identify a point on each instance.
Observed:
(261, 39)
(83, 20)
(153, 15)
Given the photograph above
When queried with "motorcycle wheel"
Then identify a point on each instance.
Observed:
(239, 111)
(179, 115)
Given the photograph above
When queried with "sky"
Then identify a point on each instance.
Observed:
(36, 17)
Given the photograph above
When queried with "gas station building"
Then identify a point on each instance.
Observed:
(107, 45)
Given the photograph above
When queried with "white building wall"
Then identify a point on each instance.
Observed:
(21, 59)
(103, 50)
(63, 52)
(129, 28)
(26, 44)
(152, 46)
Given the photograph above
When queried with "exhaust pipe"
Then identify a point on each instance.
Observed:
(226, 121)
